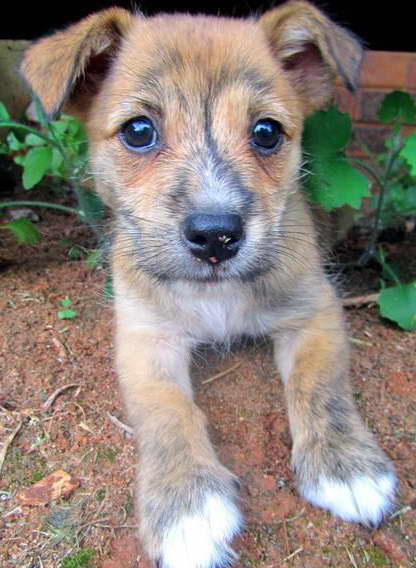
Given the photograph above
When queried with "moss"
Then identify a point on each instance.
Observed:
(107, 454)
(81, 559)
(100, 495)
(376, 557)
(37, 475)
(22, 469)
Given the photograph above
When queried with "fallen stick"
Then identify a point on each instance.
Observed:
(357, 301)
(222, 374)
(120, 424)
(50, 400)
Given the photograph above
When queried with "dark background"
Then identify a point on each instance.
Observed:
(390, 26)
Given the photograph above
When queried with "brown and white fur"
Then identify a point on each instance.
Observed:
(203, 82)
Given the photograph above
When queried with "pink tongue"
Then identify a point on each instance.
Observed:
(213, 259)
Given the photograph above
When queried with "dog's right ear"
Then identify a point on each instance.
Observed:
(68, 66)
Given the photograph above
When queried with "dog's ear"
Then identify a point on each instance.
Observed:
(69, 65)
(312, 49)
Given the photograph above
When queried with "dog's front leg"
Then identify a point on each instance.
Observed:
(337, 462)
(187, 514)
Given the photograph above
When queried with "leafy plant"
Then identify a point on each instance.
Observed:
(397, 303)
(24, 231)
(336, 180)
(66, 312)
(57, 150)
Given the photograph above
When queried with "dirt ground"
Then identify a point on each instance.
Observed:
(73, 431)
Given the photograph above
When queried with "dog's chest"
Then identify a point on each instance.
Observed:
(220, 313)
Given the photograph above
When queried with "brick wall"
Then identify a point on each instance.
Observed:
(381, 73)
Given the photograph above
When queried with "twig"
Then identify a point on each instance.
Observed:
(50, 400)
(360, 342)
(286, 538)
(297, 551)
(401, 511)
(128, 429)
(100, 523)
(291, 519)
(93, 523)
(7, 442)
(357, 301)
(222, 374)
(115, 527)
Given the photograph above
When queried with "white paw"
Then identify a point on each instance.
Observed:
(201, 539)
(362, 500)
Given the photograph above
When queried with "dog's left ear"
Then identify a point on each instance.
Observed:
(312, 50)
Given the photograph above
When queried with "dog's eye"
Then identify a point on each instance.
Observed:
(267, 134)
(139, 134)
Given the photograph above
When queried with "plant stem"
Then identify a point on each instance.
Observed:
(383, 183)
(381, 259)
(43, 204)
(16, 125)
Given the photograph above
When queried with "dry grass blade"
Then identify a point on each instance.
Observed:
(297, 551)
(222, 374)
(351, 557)
(358, 301)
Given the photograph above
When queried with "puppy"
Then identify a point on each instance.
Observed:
(195, 127)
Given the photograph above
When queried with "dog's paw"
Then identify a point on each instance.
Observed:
(361, 499)
(201, 539)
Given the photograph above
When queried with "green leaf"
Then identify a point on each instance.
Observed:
(108, 290)
(57, 163)
(75, 253)
(327, 131)
(90, 208)
(19, 160)
(59, 127)
(398, 107)
(39, 112)
(33, 140)
(4, 114)
(399, 305)
(409, 153)
(334, 183)
(14, 143)
(94, 258)
(66, 314)
(35, 165)
(66, 302)
(24, 231)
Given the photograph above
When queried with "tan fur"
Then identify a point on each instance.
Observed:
(204, 81)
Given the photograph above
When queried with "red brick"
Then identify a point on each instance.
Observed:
(411, 75)
(387, 70)
(368, 135)
(370, 104)
(347, 102)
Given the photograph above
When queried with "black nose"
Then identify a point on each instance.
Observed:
(213, 238)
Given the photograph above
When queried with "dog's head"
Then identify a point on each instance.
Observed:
(195, 126)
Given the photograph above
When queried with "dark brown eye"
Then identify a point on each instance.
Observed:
(267, 135)
(139, 134)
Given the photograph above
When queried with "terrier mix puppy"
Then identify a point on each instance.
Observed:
(195, 126)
